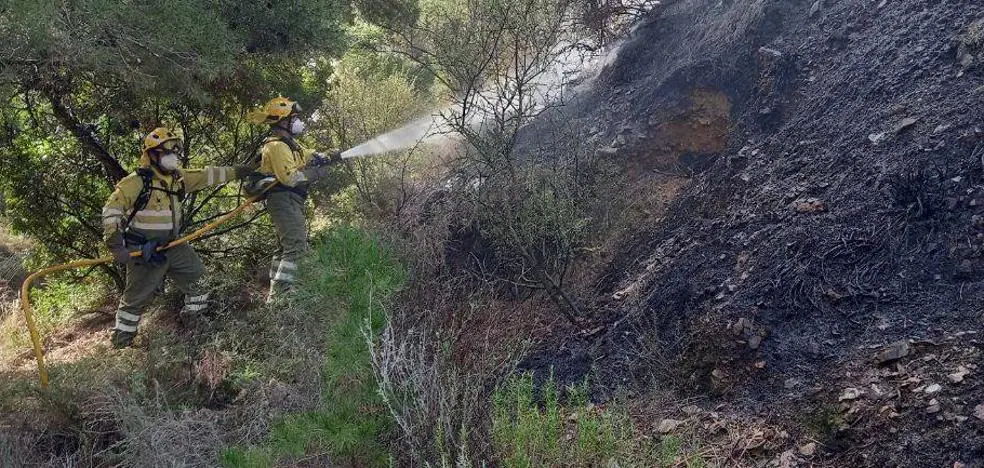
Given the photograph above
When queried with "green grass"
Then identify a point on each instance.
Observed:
(352, 276)
(534, 428)
(54, 305)
(527, 433)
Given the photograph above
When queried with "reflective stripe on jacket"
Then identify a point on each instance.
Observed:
(161, 218)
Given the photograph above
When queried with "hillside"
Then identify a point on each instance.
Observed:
(833, 215)
(775, 235)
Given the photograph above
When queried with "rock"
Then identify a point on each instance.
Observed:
(786, 459)
(893, 352)
(934, 407)
(690, 410)
(979, 412)
(755, 341)
(760, 365)
(739, 327)
(808, 450)
(668, 425)
(850, 394)
(791, 383)
(877, 138)
(718, 374)
(940, 129)
(934, 388)
(958, 376)
(809, 205)
(970, 44)
(619, 141)
(904, 124)
(965, 267)
(607, 151)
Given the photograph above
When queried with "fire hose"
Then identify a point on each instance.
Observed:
(25, 288)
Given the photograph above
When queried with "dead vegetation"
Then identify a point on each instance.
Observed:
(743, 301)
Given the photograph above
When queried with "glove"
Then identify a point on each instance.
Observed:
(121, 256)
(117, 247)
(318, 160)
(243, 171)
(149, 253)
(321, 160)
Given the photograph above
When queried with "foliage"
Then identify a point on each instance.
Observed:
(528, 434)
(536, 202)
(445, 348)
(81, 80)
(55, 305)
(371, 93)
(80, 83)
(351, 278)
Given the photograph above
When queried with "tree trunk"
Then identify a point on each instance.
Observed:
(564, 302)
(114, 170)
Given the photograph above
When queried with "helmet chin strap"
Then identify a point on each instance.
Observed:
(283, 126)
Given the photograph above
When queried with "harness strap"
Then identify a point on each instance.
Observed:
(143, 198)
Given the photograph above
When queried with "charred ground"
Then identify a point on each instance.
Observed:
(842, 212)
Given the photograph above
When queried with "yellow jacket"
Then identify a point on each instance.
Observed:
(161, 218)
(280, 161)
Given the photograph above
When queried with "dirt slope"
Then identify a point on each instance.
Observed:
(836, 207)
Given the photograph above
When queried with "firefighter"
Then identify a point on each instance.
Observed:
(144, 213)
(290, 168)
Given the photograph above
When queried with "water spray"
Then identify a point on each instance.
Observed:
(423, 130)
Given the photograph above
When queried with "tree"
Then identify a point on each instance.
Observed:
(530, 201)
(81, 80)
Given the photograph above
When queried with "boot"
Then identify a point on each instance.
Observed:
(122, 339)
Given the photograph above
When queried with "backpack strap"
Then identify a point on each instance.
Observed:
(147, 177)
(285, 140)
(143, 198)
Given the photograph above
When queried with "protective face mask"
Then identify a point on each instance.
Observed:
(170, 162)
(297, 127)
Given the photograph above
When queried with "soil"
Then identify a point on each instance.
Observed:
(843, 212)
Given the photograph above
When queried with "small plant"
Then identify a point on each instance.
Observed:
(531, 433)
(824, 422)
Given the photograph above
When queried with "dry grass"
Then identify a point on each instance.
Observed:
(437, 364)
(155, 435)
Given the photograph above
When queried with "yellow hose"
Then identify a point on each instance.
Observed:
(25, 288)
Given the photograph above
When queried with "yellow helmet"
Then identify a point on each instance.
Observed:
(159, 137)
(274, 111)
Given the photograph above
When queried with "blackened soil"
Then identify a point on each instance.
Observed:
(847, 213)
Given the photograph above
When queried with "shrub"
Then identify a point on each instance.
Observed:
(346, 286)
